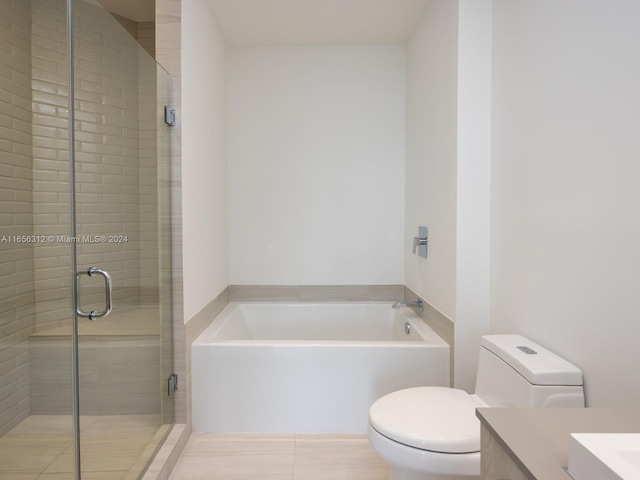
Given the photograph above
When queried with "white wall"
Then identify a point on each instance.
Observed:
(432, 72)
(473, 189)
(316, 147)
(204, 190)
(448, 165)
(565, 172)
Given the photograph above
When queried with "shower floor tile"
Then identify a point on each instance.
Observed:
(279, 457)
(41, 447)
(18, 476)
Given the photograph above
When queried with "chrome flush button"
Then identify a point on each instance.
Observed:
(527, 350)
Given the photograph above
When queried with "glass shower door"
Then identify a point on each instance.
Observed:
(122, 246)
(92, 193)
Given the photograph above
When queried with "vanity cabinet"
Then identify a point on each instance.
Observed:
(533, 443)
(496, 462)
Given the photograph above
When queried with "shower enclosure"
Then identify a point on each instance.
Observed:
(84, 231)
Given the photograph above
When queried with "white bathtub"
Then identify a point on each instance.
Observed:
(308, 368)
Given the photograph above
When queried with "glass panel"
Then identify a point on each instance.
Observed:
(165, 278)
(122, 180)
(36, 426)
(122, 194)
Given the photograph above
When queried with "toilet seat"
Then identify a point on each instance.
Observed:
(435, 419)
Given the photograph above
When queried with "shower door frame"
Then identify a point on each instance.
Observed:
(75, 364)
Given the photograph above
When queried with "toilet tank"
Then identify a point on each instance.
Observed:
(513, 371)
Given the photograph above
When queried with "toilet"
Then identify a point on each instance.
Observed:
(432, 433)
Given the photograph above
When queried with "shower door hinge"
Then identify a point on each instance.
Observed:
(170, 116)
(172, 384)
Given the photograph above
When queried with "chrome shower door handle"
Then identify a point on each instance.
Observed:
(93, 271)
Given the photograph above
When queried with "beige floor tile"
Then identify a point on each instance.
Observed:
(113, 475)
(124, 424)
(86, 421)
(18, 476)
(41, 447)
(221, 445)
(236, 457)
(257, 457)
(104, 453)
(115, 440)
(85, 476)
(63, 464)
(234, 467)
(44, 424)
(110, 462)
(52, 424)
(326, 458)
(24, 463)
(14, 444)
(56, 476)
(26, 453)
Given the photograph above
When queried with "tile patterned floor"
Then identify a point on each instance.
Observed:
(281, 457)
(113, 447)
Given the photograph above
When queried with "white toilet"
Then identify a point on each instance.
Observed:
(432, 433)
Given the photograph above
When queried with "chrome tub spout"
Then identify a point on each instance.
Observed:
(418, 305)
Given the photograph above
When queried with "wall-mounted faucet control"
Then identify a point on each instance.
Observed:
(420, 242)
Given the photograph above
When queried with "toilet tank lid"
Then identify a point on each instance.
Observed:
(534, 362)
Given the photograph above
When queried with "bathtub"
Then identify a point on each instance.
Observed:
(308, 368)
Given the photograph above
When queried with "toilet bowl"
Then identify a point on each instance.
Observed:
(406, 463)
(432, 433)
(427, 429)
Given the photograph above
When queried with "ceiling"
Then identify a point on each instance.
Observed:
(136, 10)
(316, 22)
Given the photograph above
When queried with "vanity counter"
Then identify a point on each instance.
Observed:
(533, 443)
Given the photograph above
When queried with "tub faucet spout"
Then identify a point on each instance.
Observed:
(419, 305)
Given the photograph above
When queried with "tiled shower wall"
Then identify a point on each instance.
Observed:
(116, 175)
(50, 161)
(109, 174)
(145, 32)
(148, 177)
(16, 260)
(146, 36)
